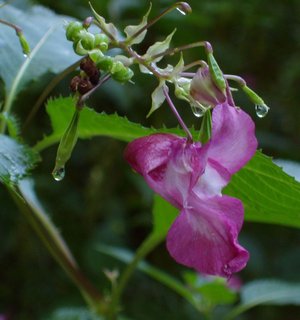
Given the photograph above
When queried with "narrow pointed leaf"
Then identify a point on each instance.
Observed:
(131, 30)
(158, 97)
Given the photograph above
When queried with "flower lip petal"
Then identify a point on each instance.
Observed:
(204, 236)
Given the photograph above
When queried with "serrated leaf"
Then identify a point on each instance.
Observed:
(159, 47)
(158, 97)
(16, 160)
(107, 28)
(131, 30)
(268, 194)
(92, 124)
(54, 55)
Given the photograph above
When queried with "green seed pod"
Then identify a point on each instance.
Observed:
(216, 72)
(87, 40)
(105, 63)
(79, 49)
(73, 30)
(101, 41)
(24, 43)
(66, 146)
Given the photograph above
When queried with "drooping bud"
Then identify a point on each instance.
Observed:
(105, 63)
(184, 8)
(87, 40)
(260, 107)
(66, 146)
(24, 44)
(204, 90)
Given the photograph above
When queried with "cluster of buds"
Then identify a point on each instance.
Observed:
(95, 47)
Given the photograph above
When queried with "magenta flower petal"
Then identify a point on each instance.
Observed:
(204, 236)
(233, 141)
(170, 165)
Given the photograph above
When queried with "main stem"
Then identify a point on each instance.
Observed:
(149, 243)
(51, 238)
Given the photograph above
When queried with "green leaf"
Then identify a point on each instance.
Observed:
(213, 290)
(108, 28)
(268, 194)
(131, 30)
(54, 55)
(157, 97)
(92, 124)
(16, 160)
(266, 292)
(163, 216)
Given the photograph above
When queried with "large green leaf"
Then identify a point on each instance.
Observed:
(269, 194)
(16, 160)
(92, 124)
(262, 292)
(54, 54)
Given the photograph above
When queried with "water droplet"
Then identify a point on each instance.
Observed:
(58, 174)
(261, 110)
(184, 8)
(25, 55)
(198, 111)
(181, 11)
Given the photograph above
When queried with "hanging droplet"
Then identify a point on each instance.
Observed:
(261, 110)
(184, 8)
(181, 11)
(58, 173)
(25, 55)
(198, 109)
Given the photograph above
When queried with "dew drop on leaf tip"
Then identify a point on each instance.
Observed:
(58, 173)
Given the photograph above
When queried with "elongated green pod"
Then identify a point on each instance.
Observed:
(216, 72)
(66, 146)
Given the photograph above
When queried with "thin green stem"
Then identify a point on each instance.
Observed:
(53, 241)
(172, 51)
(9, 24)
(13, 91)
(182, 6)
(148, 245)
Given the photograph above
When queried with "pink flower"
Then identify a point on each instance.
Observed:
(191, 177)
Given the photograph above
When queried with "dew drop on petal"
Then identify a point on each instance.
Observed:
(261, 110)
(58, 173)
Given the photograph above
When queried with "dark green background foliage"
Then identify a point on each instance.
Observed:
(102, 201)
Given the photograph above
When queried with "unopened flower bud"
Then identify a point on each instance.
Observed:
(101, 41)
(87, 22)
(79, 49)
(73, 30)
(87, 40)
(105, 63)
(120, 72)
(24, 43)
(204, 90)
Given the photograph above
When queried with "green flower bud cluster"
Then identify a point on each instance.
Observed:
(83, 40)
(95, 45)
